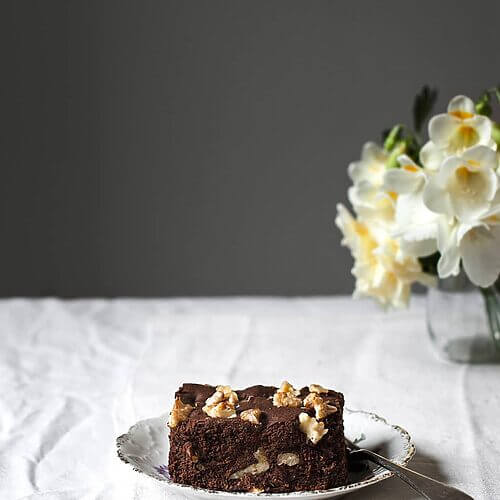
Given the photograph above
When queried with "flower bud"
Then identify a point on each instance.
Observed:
(398, 150)
(393, 137)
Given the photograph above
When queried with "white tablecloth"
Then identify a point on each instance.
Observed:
(75, 374)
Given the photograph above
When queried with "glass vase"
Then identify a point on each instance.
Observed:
(464, 321)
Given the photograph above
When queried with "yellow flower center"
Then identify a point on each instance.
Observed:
(462, 115)
(410, 168)
(464, 138)
(462, 174)
(469, 183)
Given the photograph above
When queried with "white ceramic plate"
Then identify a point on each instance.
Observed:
(145, 448)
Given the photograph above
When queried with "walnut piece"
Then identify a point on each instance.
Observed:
(252, 415)
(287, 387)
(317, 389)
(216, 397)
(220, 410)
(313, 429)
(289, 459)
(258, 468)
(222, 393)
(179, 413)
(221, 404)
(286, 395)
(229, 395)
(321, 407)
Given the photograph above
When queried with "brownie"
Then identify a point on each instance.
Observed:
(257, 439)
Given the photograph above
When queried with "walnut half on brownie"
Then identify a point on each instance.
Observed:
(257, 439)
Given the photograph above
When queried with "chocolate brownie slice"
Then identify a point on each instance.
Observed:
(257, 439)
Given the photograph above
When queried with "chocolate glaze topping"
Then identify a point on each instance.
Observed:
(256, 396)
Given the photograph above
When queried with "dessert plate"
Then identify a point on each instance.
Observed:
(145, 448)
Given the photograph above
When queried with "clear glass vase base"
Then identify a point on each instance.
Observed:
(463, 321)
(469, 350)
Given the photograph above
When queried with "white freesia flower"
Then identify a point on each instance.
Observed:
(382, 271)
(367, 197)
(449, 204)
(464, 186)
(476, 244)
(465, 193)
(415, 224)
(453, 132)
(431, 156)
(372, 203)
(460, 128)
(371, 167)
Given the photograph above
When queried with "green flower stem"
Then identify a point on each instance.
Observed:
(492, 306)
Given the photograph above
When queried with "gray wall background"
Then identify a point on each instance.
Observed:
(164, 147)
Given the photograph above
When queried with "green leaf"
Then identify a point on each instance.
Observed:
(483, 105)
(497, 93)
(422, 106)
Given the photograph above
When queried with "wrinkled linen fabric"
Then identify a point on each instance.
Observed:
(76, 374)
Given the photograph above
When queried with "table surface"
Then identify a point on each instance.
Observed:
(75, 374)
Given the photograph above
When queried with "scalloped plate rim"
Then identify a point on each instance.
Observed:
(193, 491)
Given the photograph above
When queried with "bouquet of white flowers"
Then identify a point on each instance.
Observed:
(428, 210)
